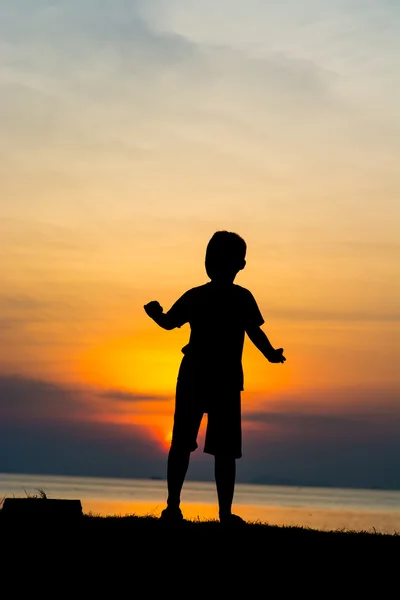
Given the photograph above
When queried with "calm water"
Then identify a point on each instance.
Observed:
(320, 508)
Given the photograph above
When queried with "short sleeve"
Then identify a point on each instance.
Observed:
(179, 313)
(252, 314)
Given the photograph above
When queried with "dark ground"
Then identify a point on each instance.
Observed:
(116, 529)
(183, 558)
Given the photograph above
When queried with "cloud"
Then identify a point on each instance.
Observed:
(70, 67)
(123, 77)
(26, 399)
(80, 448)
(328, 452)
(352, 445)
(338, 315)
(131, 396)
(358, 426)
(21, 302)
(52, 428)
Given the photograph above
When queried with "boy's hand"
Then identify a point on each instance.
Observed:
(153, 309)
(277, 356)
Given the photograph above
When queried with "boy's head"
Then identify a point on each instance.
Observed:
(225, 256)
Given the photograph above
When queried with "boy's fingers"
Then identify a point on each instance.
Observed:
(282, 358)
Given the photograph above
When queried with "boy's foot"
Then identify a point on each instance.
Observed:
(172, 515)
(232, 520)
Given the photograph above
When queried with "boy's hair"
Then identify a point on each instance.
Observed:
(226, 252)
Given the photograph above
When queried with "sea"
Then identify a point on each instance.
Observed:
(328, 509)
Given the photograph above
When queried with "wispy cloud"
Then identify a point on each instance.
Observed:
(80, 448)
(26, 399)
(126, 396)
(53, 428)
(359, 427)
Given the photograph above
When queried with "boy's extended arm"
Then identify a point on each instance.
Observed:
(156, 312)
(261, 342)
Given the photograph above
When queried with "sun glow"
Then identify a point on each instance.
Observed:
(147, 363)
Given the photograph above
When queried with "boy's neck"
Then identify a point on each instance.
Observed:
(222, 281)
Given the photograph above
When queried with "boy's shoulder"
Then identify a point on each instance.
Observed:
(198, 289)
(242, 290)
(210, 288)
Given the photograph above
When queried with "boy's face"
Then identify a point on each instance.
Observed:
(223, 268)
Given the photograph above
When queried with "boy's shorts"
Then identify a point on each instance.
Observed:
(224, 431)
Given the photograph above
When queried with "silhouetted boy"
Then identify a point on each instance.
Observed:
(210, 378)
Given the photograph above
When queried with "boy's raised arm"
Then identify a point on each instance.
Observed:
(261, 341)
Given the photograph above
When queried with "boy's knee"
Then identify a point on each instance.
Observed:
(181, 446)
(223, 459)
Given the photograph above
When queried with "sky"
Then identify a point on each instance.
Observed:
(131, 131)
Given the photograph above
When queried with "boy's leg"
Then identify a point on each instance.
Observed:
(187, 419)
(225, 476)
(178, 462)
(224, 441)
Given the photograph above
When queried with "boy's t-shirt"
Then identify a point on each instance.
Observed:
(219, 316)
